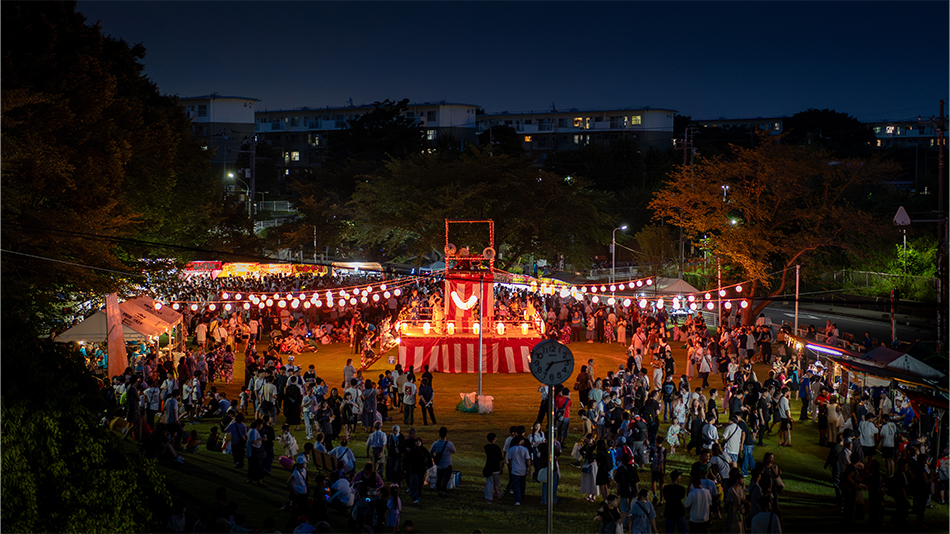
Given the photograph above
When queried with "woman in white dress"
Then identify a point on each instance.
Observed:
(690, 365)
(589, 469)
(833, 418)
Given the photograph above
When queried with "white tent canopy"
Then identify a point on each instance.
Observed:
(901, 361)
(140, 320)
(673, 286)
(95, 330)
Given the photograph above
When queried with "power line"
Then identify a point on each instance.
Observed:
(73, 263)
(139, 242)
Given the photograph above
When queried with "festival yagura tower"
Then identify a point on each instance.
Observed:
(450, 343)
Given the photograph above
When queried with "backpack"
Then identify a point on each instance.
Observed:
(559, 412)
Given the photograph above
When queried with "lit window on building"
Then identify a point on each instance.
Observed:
(577, 139)
(578, 122)
(776, 126)
(889, 129)
(431, 135)
(527, 139)
(635, 120)
(295, 156)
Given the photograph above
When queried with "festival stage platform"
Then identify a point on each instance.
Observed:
(459, 354)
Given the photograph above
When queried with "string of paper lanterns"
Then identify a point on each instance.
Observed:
(384, 290)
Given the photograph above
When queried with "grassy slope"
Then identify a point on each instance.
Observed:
(805, 501)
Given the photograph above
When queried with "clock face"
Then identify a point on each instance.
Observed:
(551, 362)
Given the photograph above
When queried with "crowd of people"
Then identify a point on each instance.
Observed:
(619, 450)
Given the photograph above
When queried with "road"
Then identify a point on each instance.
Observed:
(854, 321)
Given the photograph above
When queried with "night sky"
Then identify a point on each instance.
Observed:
(872, 60)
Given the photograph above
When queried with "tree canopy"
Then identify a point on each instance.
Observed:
(838, 133)
(61, 470)
(98, 166)
(399, 212)
(376, 136)
(782, 204)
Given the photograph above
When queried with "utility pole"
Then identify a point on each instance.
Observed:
(687, 148)
(252, 175)
(253, 180)
(940, 129)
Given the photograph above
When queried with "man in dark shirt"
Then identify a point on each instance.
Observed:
(426, 395)
(763, 413)
(674, 513)
(748, 446)
(426, 375)
(668, 388)
(639, 437)
(711, 406)
(651, 413)
(771, 381)
(735, 403)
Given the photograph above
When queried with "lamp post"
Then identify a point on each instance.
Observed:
(613, 252)
(247, 193)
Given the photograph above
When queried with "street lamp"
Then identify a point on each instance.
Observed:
(613, 252)
(725, 189)
(247, 192)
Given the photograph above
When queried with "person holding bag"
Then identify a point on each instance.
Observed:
(494, 464)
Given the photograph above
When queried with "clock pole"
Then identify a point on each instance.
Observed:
(550, 466)
(481, 328)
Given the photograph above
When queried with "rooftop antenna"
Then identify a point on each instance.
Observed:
(350, 102)
(553, 107)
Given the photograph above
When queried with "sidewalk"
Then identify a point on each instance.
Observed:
(857, 313)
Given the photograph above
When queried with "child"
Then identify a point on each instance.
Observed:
(214, 440)
(289, 442)
(192, 444)
(394, 508)
(242, 399)
(673, 435)
(658, 470)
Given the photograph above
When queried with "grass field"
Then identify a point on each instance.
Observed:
(807, 502)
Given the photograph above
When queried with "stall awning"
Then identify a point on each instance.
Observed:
(937, 401)
(822, 349)
(95, 330)
(881, 372)
(165, 317)
(140, 314)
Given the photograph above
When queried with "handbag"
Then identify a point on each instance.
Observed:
(777, 481)
(543, 475)
(576, 451)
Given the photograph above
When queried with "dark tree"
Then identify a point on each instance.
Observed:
(838, 133)
(400, 211)
(95, 159)
(62, 471)
(376, 136)
(503, 140)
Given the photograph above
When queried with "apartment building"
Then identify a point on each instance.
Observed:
(889, 133)
(302, 135)
(773, 125)
(544, 132)
(221, 123)
(904, 133)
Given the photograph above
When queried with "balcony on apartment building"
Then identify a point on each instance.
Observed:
(304, 124)
(565, 125)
